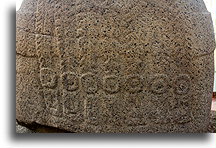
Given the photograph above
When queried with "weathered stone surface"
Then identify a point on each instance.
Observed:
(36, 128)
(115, 66)
(22, 130)
(212, 124)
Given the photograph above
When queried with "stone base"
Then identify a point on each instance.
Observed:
(36, 128)
(212, 124)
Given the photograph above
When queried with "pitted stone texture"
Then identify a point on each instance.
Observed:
(212, 125)
(118, 66)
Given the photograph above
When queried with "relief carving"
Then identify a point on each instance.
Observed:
(159, 84)
(113, 65)
(52, 101)
(89, 83)
(182, 84)
(70, 81)
(111, 84)
(48, 78)
(73, 106)
(133, 84)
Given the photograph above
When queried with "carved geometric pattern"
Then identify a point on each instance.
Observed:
(110, 39)
(52, 101)
(159, 83)
(89, 83)
(70, 81)
(48, 78)
(182, 84)
(72, 104)
(93, 111)
(111, 84)
(133, 84)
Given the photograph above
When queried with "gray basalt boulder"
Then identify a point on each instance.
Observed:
(115, 66)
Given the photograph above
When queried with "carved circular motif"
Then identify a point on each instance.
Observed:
(70, 81)
(111, 84)
(133, 84)
(182, 84)
(89, 83)
(159, 84)
(48, 78)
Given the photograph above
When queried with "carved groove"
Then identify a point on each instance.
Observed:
(159, 84)
(111, 84)
(182, 84)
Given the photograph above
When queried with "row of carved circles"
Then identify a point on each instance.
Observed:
(158, 83)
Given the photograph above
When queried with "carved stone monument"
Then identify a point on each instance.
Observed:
(115, 66)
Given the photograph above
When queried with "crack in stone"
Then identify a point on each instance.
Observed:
(202, 55)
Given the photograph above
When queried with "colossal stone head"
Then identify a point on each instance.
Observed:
(118, 66)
